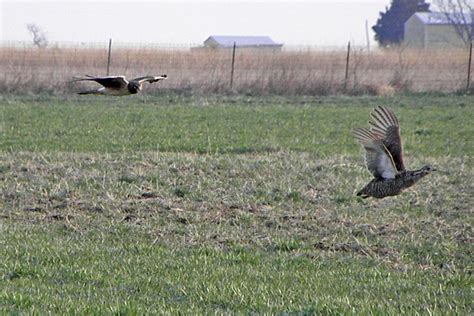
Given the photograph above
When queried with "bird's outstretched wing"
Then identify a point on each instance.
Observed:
(149, 79)
(385, 126)
(111, 82)
(377, 157)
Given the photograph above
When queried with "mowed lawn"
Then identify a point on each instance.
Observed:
(241, 204)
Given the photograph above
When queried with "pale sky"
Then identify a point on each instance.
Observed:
(315, 23)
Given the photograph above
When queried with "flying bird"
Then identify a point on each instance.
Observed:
(118, 85)
(384, 156)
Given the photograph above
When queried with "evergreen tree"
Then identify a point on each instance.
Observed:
(390, 25)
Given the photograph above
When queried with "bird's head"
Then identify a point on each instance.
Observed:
(424, 170)
(134, 87)
(429, 168)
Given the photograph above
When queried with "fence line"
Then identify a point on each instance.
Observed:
(468, 84)
(29, 69)
(346, 77)
(158, 46)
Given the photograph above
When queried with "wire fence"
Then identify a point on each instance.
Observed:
(294, 70)
(158, 46)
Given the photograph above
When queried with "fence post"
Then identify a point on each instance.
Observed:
(232, 68)
(367, 35)
(346, 78)
(468, 85)
(108, 57)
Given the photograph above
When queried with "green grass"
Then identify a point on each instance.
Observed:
(432, 126)
(231, 204)
(114, 270)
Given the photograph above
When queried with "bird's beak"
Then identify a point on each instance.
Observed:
(433, 169)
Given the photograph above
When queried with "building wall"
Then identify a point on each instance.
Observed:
(210, 43)
(414, 36)
(442, 36)
(431, 36)
(252, 49)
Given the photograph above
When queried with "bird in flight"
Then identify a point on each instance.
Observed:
(384, 156)
(118, 85)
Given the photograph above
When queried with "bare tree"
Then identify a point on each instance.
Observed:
(460, 15)
(39, 37)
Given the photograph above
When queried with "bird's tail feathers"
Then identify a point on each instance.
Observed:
(85, 78)
(362, 194)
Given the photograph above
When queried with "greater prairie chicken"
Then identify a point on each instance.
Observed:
(118, 85)
(384, 156)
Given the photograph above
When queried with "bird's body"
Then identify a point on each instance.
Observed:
(384, 156)
(118, 85)
(380, 187)
(105, 91)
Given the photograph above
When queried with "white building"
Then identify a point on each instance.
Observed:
(252, 42)
(435, 30)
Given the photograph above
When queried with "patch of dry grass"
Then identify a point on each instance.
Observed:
(293, 202)
(30, 70)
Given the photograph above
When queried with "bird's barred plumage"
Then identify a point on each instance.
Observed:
(384, 156)
(380, 187)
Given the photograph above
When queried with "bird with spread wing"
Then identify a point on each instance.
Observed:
(384, 156)
(118, 85)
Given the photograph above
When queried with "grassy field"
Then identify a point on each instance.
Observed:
(230, 204)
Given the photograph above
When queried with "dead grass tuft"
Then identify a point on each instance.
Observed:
(29, 70)
(279, 202)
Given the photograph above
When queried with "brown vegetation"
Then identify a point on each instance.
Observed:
(32, 70)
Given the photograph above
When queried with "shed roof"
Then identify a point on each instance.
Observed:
(443, 18)
(229, 40)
